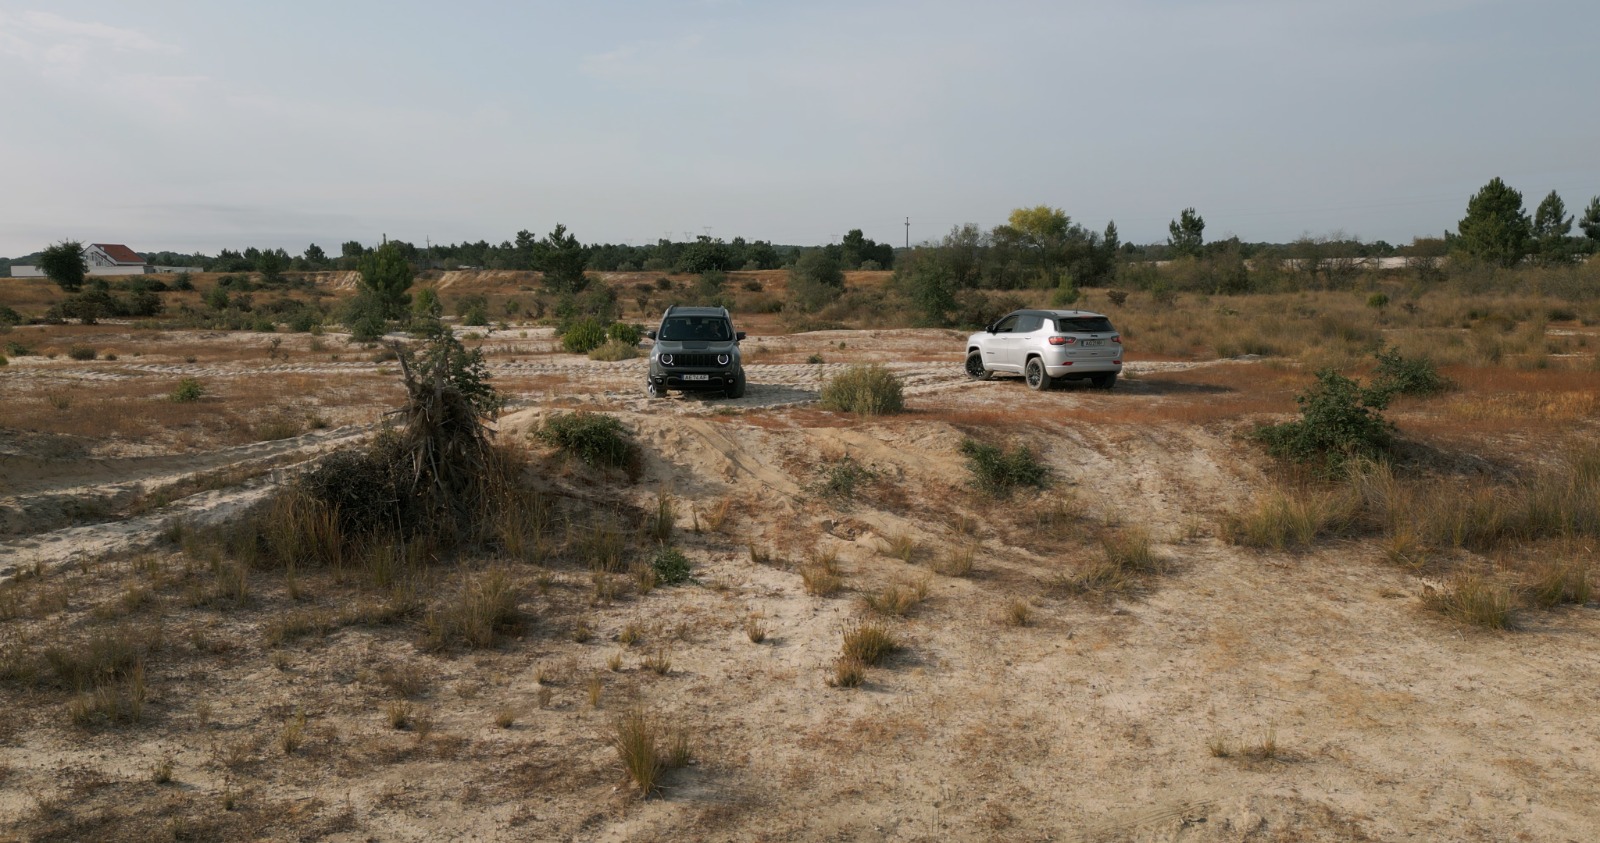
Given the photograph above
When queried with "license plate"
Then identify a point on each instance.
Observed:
(697, 377)
(1092, 343)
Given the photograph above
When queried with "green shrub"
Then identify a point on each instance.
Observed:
(625, 333)
(81, 352)
(839, 480)
(188, 389)
(9, 317)
(584, 336)
(17, 349)
(593, 438)
(868, 390)
(999, 472)
(612, 351)
(671, 566)
(1397, 375)
(1338, 421)
(4, 361)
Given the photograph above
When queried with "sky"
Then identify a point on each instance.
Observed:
(196, 126)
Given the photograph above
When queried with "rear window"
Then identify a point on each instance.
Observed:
(1084, 325)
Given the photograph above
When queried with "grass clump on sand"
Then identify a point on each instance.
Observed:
(864, 389)
(593, 438)
(999, 472)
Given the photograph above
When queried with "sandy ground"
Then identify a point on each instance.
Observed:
(1236, 696)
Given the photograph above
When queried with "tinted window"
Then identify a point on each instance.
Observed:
(696, 329)
(1084, 325)
(1006, 325)
(1029, 324)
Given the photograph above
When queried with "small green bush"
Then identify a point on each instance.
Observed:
(17, 349)
(612, 351)
(839, 480)
(82, 352)
(868, 390)
(1397, 375)
(583, 336)
(999, 472)
(624, 333)
(1339, 421)
(188, 390)
(671, 566)
(593, 438)
(9, 317)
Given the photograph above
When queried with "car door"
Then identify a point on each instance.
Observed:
(999, 349)
(1021, 339)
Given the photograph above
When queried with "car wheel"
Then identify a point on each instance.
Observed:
(737, 390)
(975, 369)
(1037, 377)
(1105, 381)
(655, 391)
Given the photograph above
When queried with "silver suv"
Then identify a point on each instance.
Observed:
(1048, 345)
(696, 350)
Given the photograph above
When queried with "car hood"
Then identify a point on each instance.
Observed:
(696, 345)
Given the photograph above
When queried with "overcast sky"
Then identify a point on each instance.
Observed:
(202, 125)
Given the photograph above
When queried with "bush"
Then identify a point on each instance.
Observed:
(868, 390)
(9, 316)
(583, 336)
(82, 352)
(592, 438)
(999, 472)
(1338, 421)
(671, 566)
(625, 333)
(1397, 375)
(612, 351)
(188, 390)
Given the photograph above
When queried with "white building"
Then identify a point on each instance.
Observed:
(101, 259)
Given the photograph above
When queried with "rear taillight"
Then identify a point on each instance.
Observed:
(1117, 340)
(1063, 340)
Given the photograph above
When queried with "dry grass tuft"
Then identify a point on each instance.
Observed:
(1553, 583)
(897, 600)
(957, 560)
(1285, 519)
(658, 661)
(484, 607)
(848, 672)
(293, 735)
(902, 546)
(398, 713)
(634, 736)
(1474, 600)
(1018, 612)
(754, 628)
(870, 642)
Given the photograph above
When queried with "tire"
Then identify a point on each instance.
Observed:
(1105, 381)
(654, 391)
(1036, 376)
(737, 390)
(975, 369)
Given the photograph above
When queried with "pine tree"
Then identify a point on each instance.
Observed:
(1495, 229)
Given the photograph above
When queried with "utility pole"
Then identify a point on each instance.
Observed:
(908, 232)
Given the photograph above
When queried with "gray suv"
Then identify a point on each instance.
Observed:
(1048, 345)
(696, 350)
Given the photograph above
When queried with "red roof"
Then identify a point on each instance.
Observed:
(119, 252)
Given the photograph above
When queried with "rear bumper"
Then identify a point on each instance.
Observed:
(1083, 368)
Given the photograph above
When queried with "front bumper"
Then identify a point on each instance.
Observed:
(691, 381)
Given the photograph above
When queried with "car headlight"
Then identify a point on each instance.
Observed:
(666, 360)
(722, 359)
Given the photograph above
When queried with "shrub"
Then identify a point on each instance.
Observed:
(671, 566)
(9, 317)
(634, 736)
(484, 607)
(867, 390)
(1338, 421)
(622, 332)
(188, 390)
(1397, 375)
(839, 480)
(593, 438)
(612, 351)
(869, 641)
(1117, 297)
(999, 472)
(82, 352)
(583, 336)
(1472, 599)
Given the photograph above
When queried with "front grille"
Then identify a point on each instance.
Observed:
(682, 361)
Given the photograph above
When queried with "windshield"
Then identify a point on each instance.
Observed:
(1084, 325)
(696, 329)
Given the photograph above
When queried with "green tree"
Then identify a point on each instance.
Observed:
(1495, 229)
(1112, 240)
(270, 264)
(1591, 220)
(930, 284)
(315, 257)
(815, 280)
(385, 278)
(63, 263)
(1552, 232)
(1041, 232)
(1186, 234)
(562, 259)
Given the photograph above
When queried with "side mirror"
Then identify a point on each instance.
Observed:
(650, 335)
(738, 336)
(989, 327)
